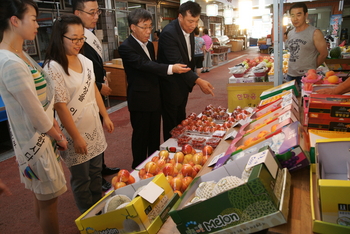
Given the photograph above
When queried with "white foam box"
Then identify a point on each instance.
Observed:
(234, 80)
(245, 209)
(143, 215)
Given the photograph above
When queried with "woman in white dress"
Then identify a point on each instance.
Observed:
(78, 104)
(28, 98)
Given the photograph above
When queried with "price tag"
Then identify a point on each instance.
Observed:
(286, 102)
(288, 96)
(151, 192)
(231, 135)
(285, 116)
(215, 159)
(250, 109)
(256, 159)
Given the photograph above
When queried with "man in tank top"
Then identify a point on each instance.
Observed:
(306, 44)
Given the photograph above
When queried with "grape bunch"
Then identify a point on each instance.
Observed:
(290, 162)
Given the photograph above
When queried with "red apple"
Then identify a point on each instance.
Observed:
(115, 179)
(178, 192)
(124, 175)
(187, 158)
(176, 183)
(186, 182)
(179, 157)
(163, 154)
(147, 175)
(184, 122)
(168, 169)
(142, 172)
(178, 166)
(119, 185)
(186, 170)
(197, 167)
(207, 150)
(197, 158)
(151, 167)
(155, 158)
(169, 178)
(187, 149)
(205, 159)
(160, 164)
(131, 180)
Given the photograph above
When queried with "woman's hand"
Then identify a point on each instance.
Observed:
(108, 124)
(80, 145)
(62, 144)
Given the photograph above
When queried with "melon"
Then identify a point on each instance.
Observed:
(335, 52)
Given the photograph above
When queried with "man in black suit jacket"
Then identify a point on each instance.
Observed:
(176, 45)
(88, 11)
(143, 93)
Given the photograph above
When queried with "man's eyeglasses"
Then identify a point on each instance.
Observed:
(145, 28)
(76, 40)
(98, 12)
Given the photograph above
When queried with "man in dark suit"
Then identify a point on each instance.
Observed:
(143, 93)
(176, 45)
(88, 11)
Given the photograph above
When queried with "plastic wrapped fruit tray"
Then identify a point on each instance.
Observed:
(260, 74)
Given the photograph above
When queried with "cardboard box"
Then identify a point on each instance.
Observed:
(143, 217)
(332, 173)
(318, 225)
(337, 106)
(286, 96)
(280, 103)
(331, 124)
(316, 134)
(279, 115)
(280, 88)
(246, 94)
(245, 209)
(292, 153)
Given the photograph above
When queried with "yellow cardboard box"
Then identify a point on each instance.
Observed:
(245, 94)
(139, 216)
(319, 226)
(332, 172)
(316, 134)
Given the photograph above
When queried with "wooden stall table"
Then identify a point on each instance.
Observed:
(218, 58)
(117, 82)
(299, 217)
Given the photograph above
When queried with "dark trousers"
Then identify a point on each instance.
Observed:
(145, 136)
(172, 115)
(86, 182)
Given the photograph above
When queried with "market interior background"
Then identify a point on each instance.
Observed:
(227, 25)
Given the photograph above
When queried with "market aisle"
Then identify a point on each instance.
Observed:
(16, 211)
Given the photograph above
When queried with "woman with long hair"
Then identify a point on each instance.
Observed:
(28, 98)
(78, 104)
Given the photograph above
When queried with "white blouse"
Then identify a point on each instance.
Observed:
(88, 123)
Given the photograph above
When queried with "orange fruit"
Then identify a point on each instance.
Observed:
(311, 71)
(311, 76)
(333, 79)
(330, 73)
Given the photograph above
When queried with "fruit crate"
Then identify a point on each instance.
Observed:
(220, 49)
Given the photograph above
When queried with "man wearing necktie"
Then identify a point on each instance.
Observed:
(143, 92)
(176, 45)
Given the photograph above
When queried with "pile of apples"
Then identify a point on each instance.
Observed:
(255, 61)
(122, 179)
(238, 113)
(180, 169)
